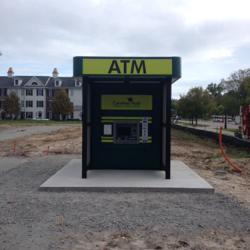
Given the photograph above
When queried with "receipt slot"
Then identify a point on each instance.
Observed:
(126, 112)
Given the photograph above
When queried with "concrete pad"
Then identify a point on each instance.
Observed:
(182, 179)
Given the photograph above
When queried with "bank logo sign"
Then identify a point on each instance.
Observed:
(126, 66)
(126, 102)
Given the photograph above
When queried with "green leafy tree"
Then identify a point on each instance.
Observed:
(195, 104)
(244, 92)
(215, 90)
(219, 110)
(230, 103)
(234, 81)
(61, 105)
(174, 107)
(12, 105)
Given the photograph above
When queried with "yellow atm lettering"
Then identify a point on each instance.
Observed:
(126, 66)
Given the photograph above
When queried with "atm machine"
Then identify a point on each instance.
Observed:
(126, 112)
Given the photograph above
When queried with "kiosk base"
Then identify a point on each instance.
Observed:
(183, 179)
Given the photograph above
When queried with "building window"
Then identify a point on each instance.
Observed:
(22, 104)
(4, 92)
(39, 92)
(39, 104)
(34, 84)
(39, 115)
(29, 115)
(29, 104)
(29, 92)
(1, 104)
(49, 93)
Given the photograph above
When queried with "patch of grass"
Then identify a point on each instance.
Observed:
(189, 123)
(231, 151)
(231, 129)
(237, 152)
(186, 136)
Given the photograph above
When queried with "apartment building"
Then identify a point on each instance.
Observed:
(36, 94)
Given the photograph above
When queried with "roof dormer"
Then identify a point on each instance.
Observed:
(58, 83)
(17, 82)
(78, 83)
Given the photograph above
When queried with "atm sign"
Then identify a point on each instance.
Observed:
(126, 66)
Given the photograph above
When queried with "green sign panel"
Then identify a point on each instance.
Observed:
(126, 66)
(126, 102)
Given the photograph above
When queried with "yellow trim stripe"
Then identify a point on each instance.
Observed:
(124, 117)
(111, 121)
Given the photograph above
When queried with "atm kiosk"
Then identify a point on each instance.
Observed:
(126, 112)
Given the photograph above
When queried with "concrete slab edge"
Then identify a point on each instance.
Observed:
(126, 189)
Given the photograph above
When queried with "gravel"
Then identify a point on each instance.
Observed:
(31, 219)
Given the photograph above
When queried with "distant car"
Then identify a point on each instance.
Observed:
(237, 120)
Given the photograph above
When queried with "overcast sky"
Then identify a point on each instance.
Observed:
(212, 37)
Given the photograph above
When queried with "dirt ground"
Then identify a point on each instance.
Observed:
(30, 219)
(202, 155)
(205, 158)
(62, 141)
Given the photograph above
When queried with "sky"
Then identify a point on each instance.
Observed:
(211, 36)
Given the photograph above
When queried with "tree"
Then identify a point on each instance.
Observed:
(234, 81)
(174, 106)
(195, 104)
(61, 105)
(244, 92)
(12, 105)
(231, 105)
(215, 90)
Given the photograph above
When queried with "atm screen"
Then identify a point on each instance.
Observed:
(126, 133)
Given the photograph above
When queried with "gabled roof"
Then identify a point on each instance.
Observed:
(6, 82)
(25, 79)
(47, 81)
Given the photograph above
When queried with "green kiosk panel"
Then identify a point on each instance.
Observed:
(126, 111)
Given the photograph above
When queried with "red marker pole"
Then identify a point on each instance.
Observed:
(234, 166)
